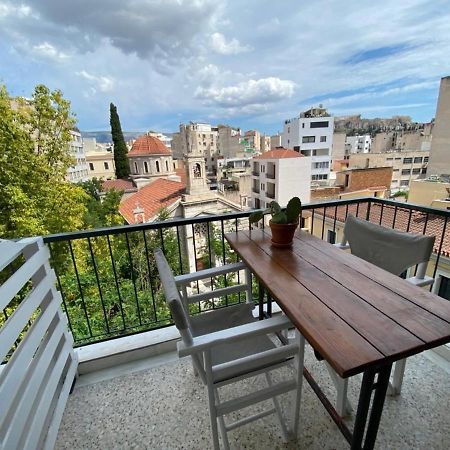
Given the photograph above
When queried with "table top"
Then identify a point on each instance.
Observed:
(354, 313)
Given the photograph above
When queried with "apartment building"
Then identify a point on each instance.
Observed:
(201, 137)
(275, 141)
(358, 144)
(78, 172)
(440, 145)
(229, 143)
(406, 166)
(253, 139)
(265, 143)
(415, 139)
(311, 134)
(279, 175)
(100, 160)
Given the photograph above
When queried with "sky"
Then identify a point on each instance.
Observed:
(250, 64)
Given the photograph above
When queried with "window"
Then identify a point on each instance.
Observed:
(157, 166)
(319, 177)
(91, 166)
(323, 124)
(424, 170)
(426, 158)
(321, 165)
(394, 181)
(406, 171)
(398, 159)
(416, 171)
(262, 186)
(145, 166)
(404, 182)
(135, 167)
(106, 165)
(407, 160)
(389, 159)
(323, 139)
(395, 170)
(303, 125)
(167, 165)
(444, 287)
(308, 139)
(417, 159)
(289, 129)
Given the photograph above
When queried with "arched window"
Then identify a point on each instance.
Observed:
(167, 166)
(157, 166)
(197, 171)
(135, 167)
(145, 167)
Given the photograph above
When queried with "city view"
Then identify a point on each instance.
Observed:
(132, 128)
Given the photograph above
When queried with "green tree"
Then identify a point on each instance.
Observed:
(120, 148)
(35, 198)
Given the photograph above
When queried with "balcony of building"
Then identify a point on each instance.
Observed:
(270, 171)
(133, 392)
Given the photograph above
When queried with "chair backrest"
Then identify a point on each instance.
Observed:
(177, 308)
(392, 250)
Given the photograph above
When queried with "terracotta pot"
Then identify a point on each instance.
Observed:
(282, 233)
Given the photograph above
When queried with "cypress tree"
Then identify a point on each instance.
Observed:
(120, 148)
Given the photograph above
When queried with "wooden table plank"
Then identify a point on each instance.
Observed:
(436, 305)
(420, 322)
(346, 350)
(367, 321)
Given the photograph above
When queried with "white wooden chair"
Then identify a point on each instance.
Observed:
(395, 252)
(229, 345)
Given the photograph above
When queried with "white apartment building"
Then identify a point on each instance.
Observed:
(358, 144)
(79, 170)
(311, 134)
(279, 175)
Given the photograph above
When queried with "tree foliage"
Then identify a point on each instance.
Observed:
(35, 198)
(120, 148)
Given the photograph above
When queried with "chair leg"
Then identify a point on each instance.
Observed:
(222, 427)
(343, 406)
(299, 363)
(276, 404)
(396, 386)
(211, 401)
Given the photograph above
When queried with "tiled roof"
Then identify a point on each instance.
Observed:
(405, 220)
(118, 185)
(148, 145)
(151, 198)
(279, 153)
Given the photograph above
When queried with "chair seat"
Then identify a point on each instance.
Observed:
(224, 318)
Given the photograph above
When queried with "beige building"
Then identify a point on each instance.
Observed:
(433, 192)
(265, 143)
(199, 137)
(100, 160)
(406, 166)
(338, 147)
(275, 141)
(253, 138)
(229, 143)
(416, 139)
(440, 146)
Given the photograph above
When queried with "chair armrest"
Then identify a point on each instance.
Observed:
(207, 273)
(202, 343)
(426, 281)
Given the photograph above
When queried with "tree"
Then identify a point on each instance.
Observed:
(120, 148)
(35, 198)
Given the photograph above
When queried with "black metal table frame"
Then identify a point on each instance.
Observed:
(375, 382)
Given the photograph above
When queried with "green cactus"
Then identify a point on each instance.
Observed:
(290, 215)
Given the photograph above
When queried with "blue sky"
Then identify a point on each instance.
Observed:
(250, 64)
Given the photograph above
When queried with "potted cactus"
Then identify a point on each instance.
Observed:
(283, 223)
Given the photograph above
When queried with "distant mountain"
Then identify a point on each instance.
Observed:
(104, 137)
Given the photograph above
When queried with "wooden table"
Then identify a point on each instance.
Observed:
(359, 317)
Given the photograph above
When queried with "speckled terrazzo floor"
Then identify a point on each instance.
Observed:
(166, 408)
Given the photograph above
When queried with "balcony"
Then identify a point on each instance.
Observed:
(255, 173)
(270, 175)
(134, 392)
(255, 190)
(270, 194)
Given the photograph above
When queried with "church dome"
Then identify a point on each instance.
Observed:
(148, 145)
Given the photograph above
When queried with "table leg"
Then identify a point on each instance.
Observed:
(261, 300)
(380, 388)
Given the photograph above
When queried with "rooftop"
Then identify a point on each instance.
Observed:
(118, 185)
(280, 153)
(148, 145)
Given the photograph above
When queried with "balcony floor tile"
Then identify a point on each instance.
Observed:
(165, 407)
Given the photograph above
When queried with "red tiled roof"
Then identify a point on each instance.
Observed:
(279, 153)
(148, 145)
(151, 198)
(118, 185)
(405, 220)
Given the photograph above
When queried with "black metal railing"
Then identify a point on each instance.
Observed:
(255, 190)
(110, 286)
(270, 194)
(270, 175)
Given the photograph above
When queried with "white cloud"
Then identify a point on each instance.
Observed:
(220, 45)
(102, 83)
(251, 92)
(47, 50)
